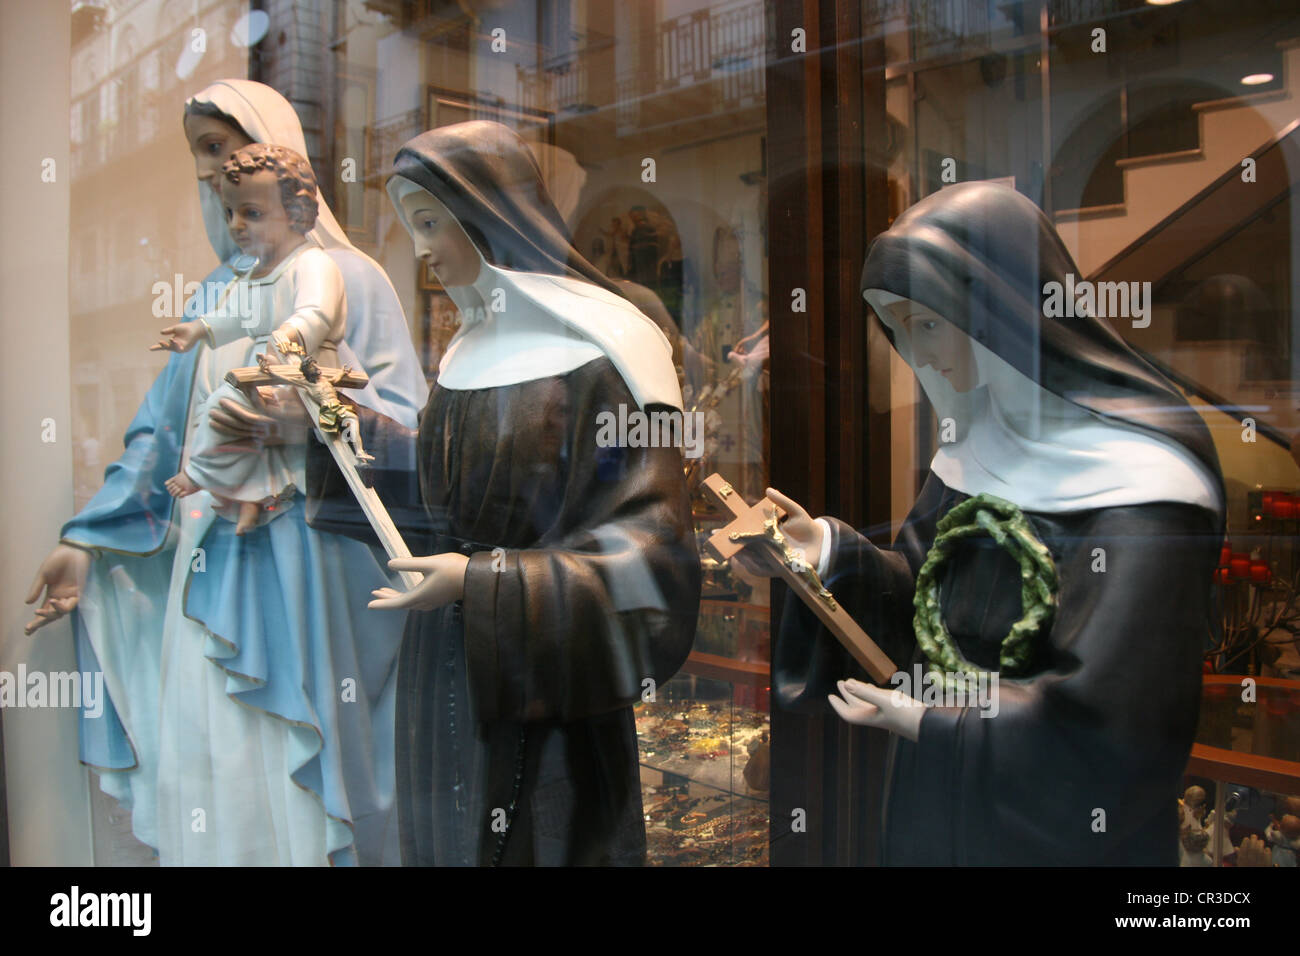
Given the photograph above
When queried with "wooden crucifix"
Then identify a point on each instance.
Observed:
(338, 429)
(761, 523)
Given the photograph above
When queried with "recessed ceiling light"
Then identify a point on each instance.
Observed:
(1255, 79)
(1161, 3)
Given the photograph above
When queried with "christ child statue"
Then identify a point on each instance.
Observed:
(291, 301)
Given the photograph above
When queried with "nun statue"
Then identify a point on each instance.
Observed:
(1059, 557)
(561, 577)
(251, 691)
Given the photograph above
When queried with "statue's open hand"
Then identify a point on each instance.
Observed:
(61, 576)
(872, 706)
(802, 532)
(444, 582)
(179, 338)
(281, 420)
(753, 358)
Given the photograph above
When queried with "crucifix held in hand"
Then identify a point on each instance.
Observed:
(337, 427)
(760, 524)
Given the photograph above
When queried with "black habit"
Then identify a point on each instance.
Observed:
(1082, 763)
(516, 742)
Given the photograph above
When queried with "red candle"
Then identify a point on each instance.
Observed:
(1240, 565)
(1225, 555)
(1259, 572)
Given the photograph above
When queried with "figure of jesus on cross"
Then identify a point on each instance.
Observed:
(338, 428)
(756, 537)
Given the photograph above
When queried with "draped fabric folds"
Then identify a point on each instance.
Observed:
(250, 690)
(1080, 761)
(517, 743)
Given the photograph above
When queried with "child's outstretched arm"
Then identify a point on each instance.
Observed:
(319, 303)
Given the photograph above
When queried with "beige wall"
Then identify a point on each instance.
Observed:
(49, 815)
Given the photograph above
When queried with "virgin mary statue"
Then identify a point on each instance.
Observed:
(251, 693)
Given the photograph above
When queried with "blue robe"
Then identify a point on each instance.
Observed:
(284, 607)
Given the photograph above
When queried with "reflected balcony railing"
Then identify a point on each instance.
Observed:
(725, 46)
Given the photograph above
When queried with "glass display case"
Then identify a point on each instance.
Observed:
(1245, 771)
(705, 740)
(720, 170)
(705, 759)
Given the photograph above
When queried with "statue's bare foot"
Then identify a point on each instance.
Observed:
(180, 485)
(248, 512)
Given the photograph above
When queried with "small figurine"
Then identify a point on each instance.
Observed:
(269, 193)
(1212, 823)
(1192, 807)
(758, 769)
(1283, 835)
(1192, 848)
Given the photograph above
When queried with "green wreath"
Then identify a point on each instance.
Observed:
(1007, 525)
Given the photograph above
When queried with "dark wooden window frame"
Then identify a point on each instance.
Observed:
(830, 380)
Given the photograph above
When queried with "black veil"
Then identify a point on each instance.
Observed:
(488, 178)
(980, 255)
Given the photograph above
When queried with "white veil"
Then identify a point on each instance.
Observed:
(554, 324)
(1019, 441)
(378, 338)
